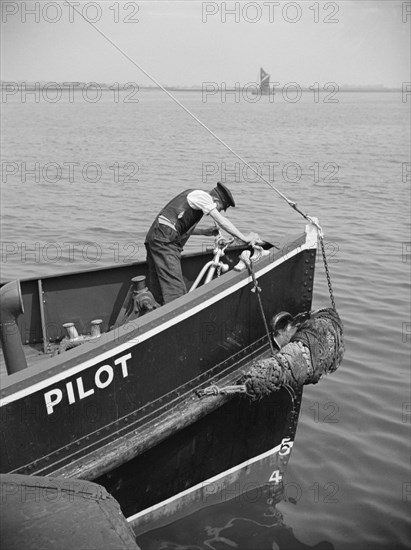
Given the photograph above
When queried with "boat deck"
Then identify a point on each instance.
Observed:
(34, 353)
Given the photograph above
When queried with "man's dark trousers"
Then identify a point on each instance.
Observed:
(165, 277)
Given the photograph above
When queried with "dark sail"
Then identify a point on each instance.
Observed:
(264, 82)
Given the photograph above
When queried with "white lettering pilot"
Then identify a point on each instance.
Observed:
(103, 377)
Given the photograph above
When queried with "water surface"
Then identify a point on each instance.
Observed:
(348, 481)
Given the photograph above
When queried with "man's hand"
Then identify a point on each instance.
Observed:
(253, 239)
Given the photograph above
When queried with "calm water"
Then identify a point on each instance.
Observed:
(348, 483)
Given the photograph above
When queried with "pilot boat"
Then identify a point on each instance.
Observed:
(104, 386)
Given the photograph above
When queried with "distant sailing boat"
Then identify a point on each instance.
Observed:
(264, 86)
(264, 82)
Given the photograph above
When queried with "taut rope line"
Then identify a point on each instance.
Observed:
(257, 291)
(193, 116)
(291, 203)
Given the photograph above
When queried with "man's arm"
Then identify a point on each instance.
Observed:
(228, 226)
(207, 231)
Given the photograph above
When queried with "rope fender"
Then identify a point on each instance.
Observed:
(316, 349)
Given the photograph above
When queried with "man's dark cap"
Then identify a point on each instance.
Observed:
(225, 195)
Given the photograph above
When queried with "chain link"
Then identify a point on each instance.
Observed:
(327, 273)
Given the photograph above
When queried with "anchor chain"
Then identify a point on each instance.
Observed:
(327, 272)
(314, 221)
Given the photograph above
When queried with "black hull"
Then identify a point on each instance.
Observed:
(228, 436)
(124, 410)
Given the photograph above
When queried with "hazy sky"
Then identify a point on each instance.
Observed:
(191, 42)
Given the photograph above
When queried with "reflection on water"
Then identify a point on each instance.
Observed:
(251, 521)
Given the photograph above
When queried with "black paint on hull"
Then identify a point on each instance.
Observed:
(124, 410)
